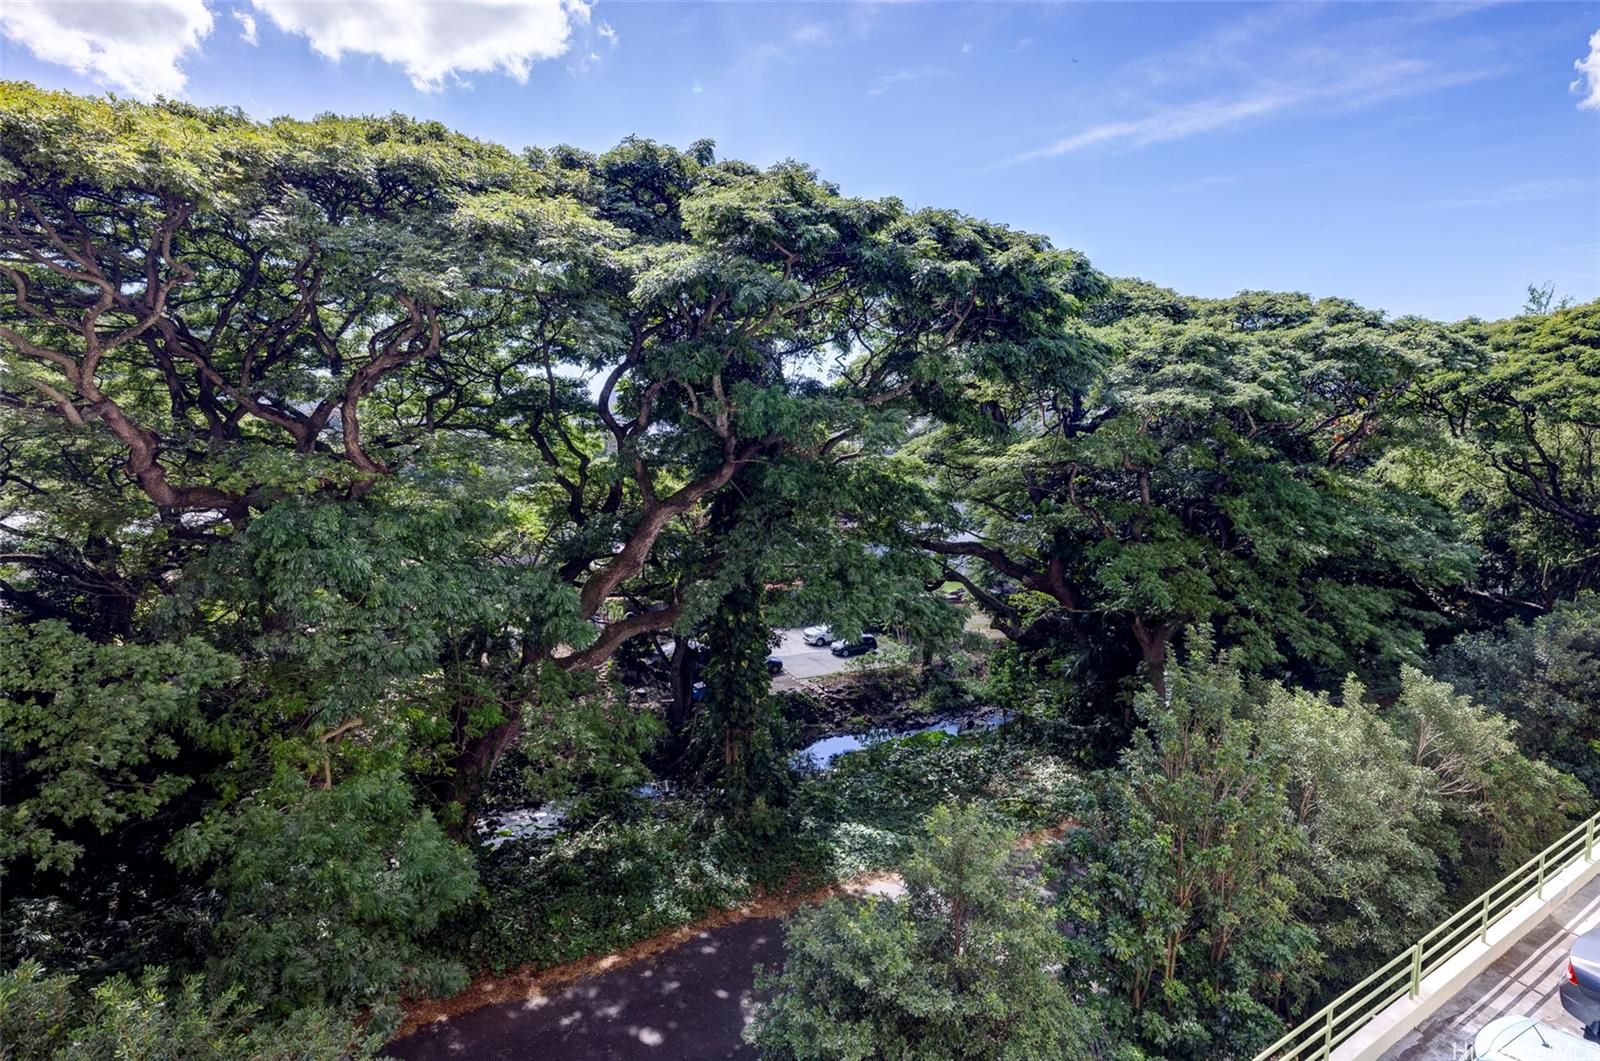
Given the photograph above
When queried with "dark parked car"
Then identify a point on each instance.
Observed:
(867, 643)
(774, 665)
(1580, 991)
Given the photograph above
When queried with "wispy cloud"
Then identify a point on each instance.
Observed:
(1246, 72)
(247, 27)
(900, 77)
(811, 33)
(1588, 81)
(855, 22)
(1169, 124)
(1524, 192)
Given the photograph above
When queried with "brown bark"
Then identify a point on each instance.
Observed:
(628, 562)
(1153, 642)
(476, 762)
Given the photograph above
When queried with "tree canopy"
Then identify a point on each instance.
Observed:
(351, 469)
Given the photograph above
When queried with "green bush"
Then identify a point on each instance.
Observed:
(554, 899)
(962, 967)
(1544, 675)
(869, 808)
(331, 892)
(45, 1016)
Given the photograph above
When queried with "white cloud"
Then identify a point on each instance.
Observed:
(1589, 75)
(133, 45)
(609, 34)
(247, 28)
(698, 88)
(435, 41)
(811, 33)
(900, 77)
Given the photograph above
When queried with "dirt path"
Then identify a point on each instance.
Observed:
(685, 994)
(688, 1002)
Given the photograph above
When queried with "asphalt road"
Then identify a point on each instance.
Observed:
(1523, 983)
(690, 1003)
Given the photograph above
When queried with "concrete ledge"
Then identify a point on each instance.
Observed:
(1389, 1026)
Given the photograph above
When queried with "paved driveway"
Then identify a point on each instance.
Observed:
(1523, 982)
(802, 661)
(690, 1002)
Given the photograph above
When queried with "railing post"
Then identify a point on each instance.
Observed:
(1483, 909)
(1327, 1035)
(1539, 891)
(1416, 970)
(1588, 839)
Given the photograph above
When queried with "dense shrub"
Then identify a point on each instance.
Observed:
(48, 1018)
(962, 967)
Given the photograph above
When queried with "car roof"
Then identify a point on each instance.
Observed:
(1526, 1039)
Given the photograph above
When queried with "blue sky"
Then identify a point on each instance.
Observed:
(1419, 158)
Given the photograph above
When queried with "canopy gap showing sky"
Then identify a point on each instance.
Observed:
(1430, 158)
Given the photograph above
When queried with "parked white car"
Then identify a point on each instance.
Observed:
(1526, 1039)
(817, 635)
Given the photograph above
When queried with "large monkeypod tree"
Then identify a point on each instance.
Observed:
(1519, 407)
(413, 433)
(1216, 469)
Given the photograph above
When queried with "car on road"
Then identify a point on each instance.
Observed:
(1526, 1039)
(774, 665)
(817, 635)
(865, 643)
(1580, 989)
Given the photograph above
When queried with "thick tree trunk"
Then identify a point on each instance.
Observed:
(474, 766)
(680, 712)
(1153, 642)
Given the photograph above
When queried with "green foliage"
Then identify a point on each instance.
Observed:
(329, 891)
(1176, 876)
(340, 455)
(586, 752)
(1519, 404)
(1544, 675)
(621, 879)
(870, 807)
(1367, 879)
(739, 733)
(46, 1017)
(1261, 846)
(1218, 469)
(624, 875)
(101, 733)
(1500, 807)
(959, 968)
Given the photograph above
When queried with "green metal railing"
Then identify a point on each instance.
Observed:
(1402, 976)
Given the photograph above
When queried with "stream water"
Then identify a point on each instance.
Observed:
(549, 819)
(821, 754)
